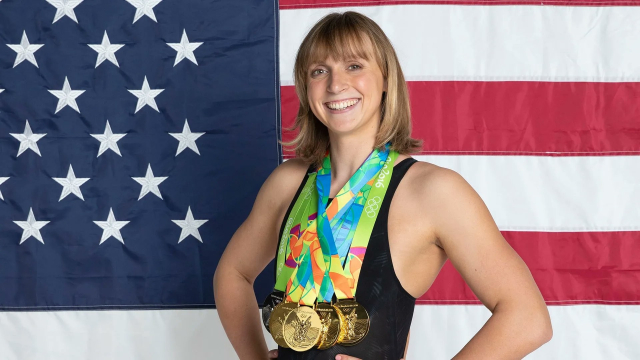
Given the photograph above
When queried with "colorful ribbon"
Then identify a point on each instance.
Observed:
(343, 231)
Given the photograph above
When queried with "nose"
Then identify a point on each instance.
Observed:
(338, 82)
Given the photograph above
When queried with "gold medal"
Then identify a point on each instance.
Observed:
(302, 328)
(269, 304)
(277, 320)
(356, 324)
(331, 320)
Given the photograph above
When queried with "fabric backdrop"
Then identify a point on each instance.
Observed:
(536, 104)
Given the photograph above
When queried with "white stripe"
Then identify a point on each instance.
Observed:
(581, 332)
(114, 334)
(538, 193)
(494, 43)
(554, 194)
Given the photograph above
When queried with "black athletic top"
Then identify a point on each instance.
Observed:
(389, 306)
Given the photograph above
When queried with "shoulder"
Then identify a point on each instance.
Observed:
(283, 182)
(292, 167)
(443, 196)
(427, 180)
(290, 172)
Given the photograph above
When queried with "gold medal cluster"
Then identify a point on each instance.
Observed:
(301, 327)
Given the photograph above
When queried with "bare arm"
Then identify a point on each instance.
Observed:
(520, 321)
(249, 251)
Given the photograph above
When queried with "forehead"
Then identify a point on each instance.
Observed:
(340, 47)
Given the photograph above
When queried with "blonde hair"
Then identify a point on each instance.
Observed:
(342, 36)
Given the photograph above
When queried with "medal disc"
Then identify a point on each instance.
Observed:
(302, 328)
(277, 320)
(356, 324)
(331, 321)
(269, 304)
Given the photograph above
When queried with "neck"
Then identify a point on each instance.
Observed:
(347, 155)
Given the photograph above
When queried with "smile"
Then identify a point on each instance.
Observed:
(342, 104)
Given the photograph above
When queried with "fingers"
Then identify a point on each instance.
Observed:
(273, 354)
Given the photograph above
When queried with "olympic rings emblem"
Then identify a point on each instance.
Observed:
(372, 206)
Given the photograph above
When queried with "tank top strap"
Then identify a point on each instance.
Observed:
(399, 171)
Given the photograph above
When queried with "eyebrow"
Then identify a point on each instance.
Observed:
(320, 63)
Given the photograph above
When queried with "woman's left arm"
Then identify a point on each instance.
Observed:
(520, 321)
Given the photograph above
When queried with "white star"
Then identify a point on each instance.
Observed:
(185, 49)
(31, 227)
(146, 96)
(1, 90)
(149, 183)
(28, 140)
(66, 96)
(65, 7)
(2, 179)
(189, 226)
(71, 184)
(106, 50)
(187, 139)
(111, 227)
(108, 140)
(144, 7)
(25, 50)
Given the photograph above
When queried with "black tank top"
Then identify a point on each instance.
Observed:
(389, 306)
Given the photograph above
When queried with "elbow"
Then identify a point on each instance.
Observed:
(533, 323)
(546, 333)
(542, 330)
(224, 276)
(220, 276)
(216, 279)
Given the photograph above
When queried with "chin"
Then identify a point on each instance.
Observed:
(343, 130)
(338, 125)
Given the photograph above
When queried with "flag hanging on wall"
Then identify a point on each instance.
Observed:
(535, 104)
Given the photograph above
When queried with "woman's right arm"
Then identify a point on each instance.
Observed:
(249, 251)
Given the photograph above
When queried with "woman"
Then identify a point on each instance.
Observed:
(354, 111)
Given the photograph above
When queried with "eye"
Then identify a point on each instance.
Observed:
(316, 72)
(355, 67)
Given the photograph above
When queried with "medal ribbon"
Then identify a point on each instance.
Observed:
(343, 232)
(309, 268)
(302, 214)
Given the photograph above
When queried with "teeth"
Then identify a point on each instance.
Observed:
(341, 105)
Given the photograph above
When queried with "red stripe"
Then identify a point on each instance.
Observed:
(303, 4)
(517, 117)
(570, 268)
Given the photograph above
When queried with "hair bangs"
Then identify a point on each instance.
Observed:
(340, 42)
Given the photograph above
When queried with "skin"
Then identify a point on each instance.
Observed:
(434, 215)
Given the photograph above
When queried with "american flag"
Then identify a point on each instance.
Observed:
(535, 103)
(134, 136)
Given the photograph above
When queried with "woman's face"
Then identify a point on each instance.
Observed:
(345, 95)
